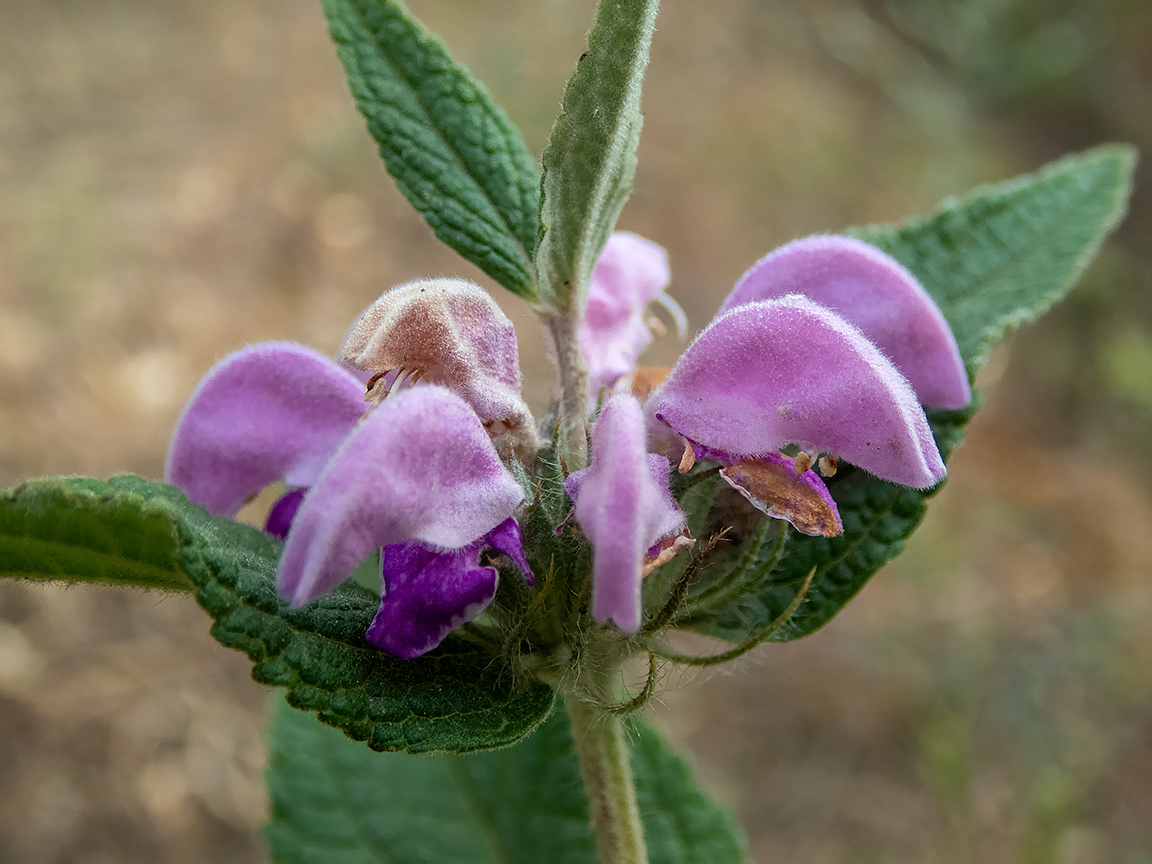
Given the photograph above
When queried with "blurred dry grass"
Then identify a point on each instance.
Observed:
(179, 179)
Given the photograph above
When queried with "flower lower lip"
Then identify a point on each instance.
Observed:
(773, 486)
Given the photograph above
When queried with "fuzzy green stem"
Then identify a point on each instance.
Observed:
(598, 736)
(564, 326)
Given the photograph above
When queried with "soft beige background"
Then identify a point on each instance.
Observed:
(179, 179)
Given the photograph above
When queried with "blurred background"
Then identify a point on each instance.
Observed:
(178, 179)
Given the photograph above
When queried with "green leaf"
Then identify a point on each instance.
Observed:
(456, 698)
(1004, 254)
(1001, 256)
(334, 802)
(682, 824)
(73, 531)
(453, 152)
(590, 157)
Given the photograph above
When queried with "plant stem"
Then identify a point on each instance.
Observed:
(564, 325)
(598, 736)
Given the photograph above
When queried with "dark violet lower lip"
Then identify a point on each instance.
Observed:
(283, 512)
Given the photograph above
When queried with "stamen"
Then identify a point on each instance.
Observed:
(665, 550)
(496, 428)
(376, 390)
(828, 465)
(688, 459)
(656, 327)
(674, 309)
(405, 377)
(804, 461)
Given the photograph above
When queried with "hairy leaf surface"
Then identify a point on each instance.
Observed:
(590, 158)
(333, 801)
(132, 532)
(453, 152)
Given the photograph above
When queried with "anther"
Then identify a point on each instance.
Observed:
(377, 387)
(688, 459)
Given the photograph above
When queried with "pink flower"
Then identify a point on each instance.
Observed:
(826, 344)
(624, 508)
(417, 477)
(630, 274)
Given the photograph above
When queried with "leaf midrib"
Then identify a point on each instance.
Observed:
(471, 802)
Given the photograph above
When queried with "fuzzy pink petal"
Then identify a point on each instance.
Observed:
(873, 291)
(420, 467)
(778, 372)
(624, 507)
(630, 273)
(264, 413)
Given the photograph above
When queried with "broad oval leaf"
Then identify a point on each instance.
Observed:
(1001, 256)
(453, 152)
(333, 801)
(130, 531)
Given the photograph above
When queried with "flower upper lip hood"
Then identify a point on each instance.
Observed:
(875, 293)
(450, 332)
(419, 468)
(777, 372)
(268, 412)
(630, 273)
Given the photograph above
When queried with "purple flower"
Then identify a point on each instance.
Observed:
(624, 508)
(275, 411)
(827, 344)
(417, 477)
(631, 273)
(777, 372)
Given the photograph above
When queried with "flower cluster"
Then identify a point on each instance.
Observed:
(417, 477)
(825, 345)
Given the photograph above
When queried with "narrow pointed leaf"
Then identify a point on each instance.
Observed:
(333, 801)
(1001, 256)
(130, 531)
(453, 152)
(1005, 254)
(590, 158)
